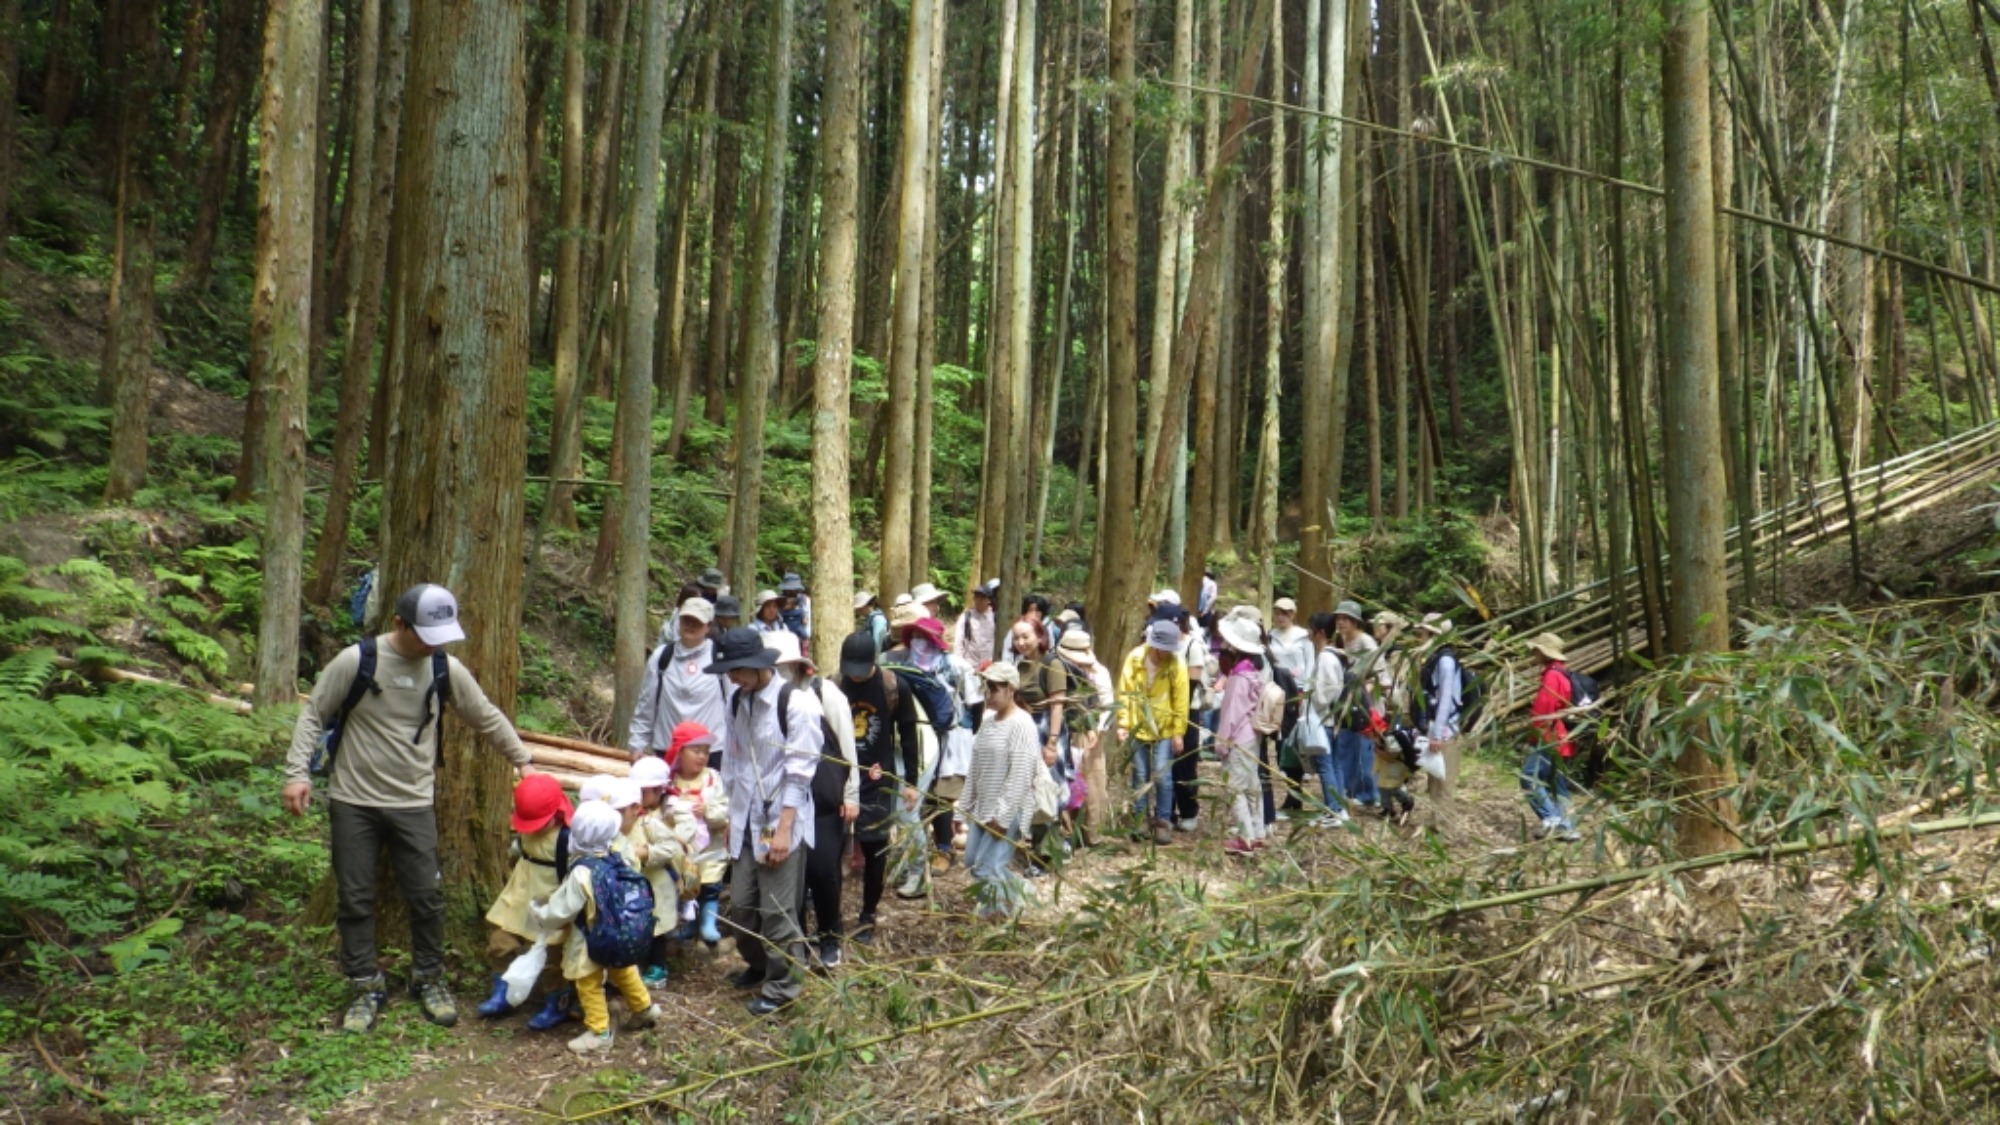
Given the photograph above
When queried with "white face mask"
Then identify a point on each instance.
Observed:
(925, 649)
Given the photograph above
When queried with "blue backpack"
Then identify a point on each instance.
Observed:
(623, 929)
(931, 694)
(357, 604)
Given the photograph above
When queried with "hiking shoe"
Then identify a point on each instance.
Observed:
(592, 1042)
(370, 994)
(940, 862)
(1162, 835)
(651, 1017)
(435, 999)
(829, 952)
(1188, 824)
(864, 930)
(748, 978)
(917, 885)
(1237, 846)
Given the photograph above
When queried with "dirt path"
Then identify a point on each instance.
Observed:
(501, 1072)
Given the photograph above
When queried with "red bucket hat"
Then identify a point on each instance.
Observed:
(539, 799)
(929, 626)
(687, 734)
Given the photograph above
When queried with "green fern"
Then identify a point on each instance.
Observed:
(27, 674)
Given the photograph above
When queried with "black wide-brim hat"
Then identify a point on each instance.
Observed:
(740, 648)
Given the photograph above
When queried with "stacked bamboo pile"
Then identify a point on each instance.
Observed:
(1588, 617)
(570, 760)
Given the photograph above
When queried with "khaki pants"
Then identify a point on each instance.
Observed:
(1440, 788)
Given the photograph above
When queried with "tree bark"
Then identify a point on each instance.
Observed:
(642, 308)
(565, 431)
(761, 358)
(281, 320)
(1321, 428)
(1116, 583)
(897, 572)
(128, 339)
(1277, 254)
(840, 161)
(239, 29)
(453, 493)
(10, 97)
(364, 307)
(927, 320)
(1699, 607)
(698, 216)
(722, 252)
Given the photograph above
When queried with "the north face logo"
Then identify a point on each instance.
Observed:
(439, 613)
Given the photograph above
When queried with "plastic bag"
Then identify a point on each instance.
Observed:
(525, 971)
(1432, 762)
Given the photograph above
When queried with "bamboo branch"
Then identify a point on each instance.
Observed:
(1718, 859)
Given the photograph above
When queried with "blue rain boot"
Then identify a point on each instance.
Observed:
(710, 933)
(560, 1009)
(496, 1005)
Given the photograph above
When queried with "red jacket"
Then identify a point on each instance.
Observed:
(1550, 701)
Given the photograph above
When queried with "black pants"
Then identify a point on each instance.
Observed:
(874, 874)
(360, 833)
(1186, 767)
(823, 871)
(1266, 750)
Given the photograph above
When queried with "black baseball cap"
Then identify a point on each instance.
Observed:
(857, 656)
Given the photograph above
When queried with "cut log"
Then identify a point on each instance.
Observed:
(552, 758)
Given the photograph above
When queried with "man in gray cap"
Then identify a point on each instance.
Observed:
(373, 729)
(675, 689)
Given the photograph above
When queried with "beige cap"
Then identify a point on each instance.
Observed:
(1001, 672)
(1285, 605)
(701, 609)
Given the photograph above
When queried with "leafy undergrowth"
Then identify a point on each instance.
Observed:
(1846, 973)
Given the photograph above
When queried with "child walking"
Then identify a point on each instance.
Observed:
(574, 907)
(541, 820)
(1236, 738)
(663, 858)
(697, 807)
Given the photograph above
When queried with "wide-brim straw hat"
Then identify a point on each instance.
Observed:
(1548, 645)
(1390, 619)
(1436, 624)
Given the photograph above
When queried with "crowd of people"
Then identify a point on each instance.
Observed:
(928, 747)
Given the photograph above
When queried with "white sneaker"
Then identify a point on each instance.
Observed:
(1549, 824)
(592, 1042)
(1567, 834)
(1336, 819)
(1188, 824)
(649, 1018)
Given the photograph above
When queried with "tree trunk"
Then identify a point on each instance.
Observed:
(453, 490)
(128, 338)
(364, 49)
(723, 246)
(897, 572)
(281, 320)
(1699, 607)
(239, 30)
(642, 307)
(927, 322)
(1059, 361)
(10, 98)
(1321, 428)
(364, 307)
(840, 160)
(761, 345)
(1116, 582)
(698, 215)
(1277, 253)
(565, 432)
(1020, 298)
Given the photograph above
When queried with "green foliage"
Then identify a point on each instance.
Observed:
(1418, 565)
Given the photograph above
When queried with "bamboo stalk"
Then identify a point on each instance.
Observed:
(1718, 859)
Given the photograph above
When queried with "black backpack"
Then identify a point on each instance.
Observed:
(831, 764)
(1471, 692)
(1294, 698)
(364, 685)
(1583, 689)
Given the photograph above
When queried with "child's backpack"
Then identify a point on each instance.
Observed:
(618, 936)
(364, 685)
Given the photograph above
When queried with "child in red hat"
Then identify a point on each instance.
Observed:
(541, 822)
(698, 808)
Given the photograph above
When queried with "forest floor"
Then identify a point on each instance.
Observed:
(500, 1072)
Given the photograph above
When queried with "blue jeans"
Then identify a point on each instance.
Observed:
(1546, 787)
(1153, 779)
(990, 860)
(1357, 766)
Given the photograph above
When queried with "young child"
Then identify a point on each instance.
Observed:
(628, 800)
(574, 906)
(541, 817)
(663, 858)
(697, 808)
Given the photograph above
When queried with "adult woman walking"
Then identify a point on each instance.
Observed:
(999, 794)
(1089, 747)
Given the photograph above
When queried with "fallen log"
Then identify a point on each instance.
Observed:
(570, 761)
(576, 745)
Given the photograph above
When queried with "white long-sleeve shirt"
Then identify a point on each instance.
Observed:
(1445, 702)
(679, 692)
(1292, 649)
(840, 716)
(765, 771)
(1329, 680)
